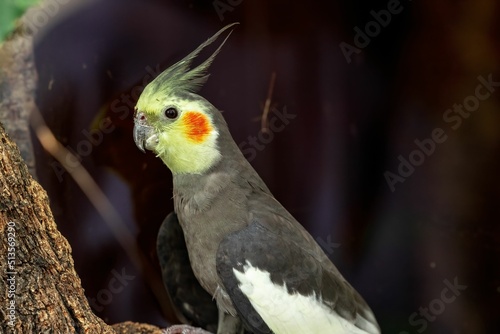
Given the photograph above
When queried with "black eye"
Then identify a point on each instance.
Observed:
(171, 113)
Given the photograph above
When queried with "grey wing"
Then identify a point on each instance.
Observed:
(290, 265)
(193, 303)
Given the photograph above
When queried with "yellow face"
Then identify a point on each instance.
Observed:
(173, 121)
(182, 134)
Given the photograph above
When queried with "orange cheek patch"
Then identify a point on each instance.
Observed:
(197, 126)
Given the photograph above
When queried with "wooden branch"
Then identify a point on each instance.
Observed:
(40, 291)
(44, 292)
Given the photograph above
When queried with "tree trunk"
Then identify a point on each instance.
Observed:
(40, 291)
(43, 291)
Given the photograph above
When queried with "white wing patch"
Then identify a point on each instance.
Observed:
(289, 314)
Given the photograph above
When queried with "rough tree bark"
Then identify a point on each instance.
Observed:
(41, 292)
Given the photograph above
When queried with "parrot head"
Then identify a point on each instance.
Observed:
(178, 125)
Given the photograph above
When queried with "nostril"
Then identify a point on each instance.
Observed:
(141, 117)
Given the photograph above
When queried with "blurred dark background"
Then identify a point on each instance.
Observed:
(401, 224)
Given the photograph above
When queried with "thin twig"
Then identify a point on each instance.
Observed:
(267, 106)
(100, 201)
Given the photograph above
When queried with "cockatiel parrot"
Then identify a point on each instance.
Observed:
(263, 269)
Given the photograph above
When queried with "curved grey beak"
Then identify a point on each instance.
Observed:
(144, 136)
(140, 136)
